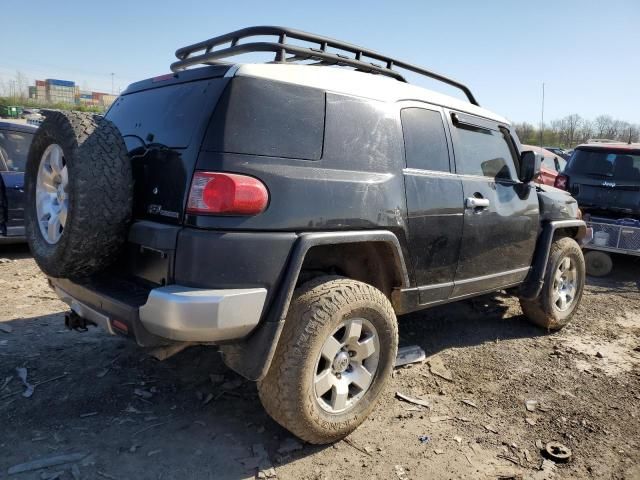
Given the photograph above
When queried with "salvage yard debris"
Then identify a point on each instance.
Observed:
(414, 400)
(557, 452)
(46, 462)
(22, 375)
(409, 354)
(436, 367)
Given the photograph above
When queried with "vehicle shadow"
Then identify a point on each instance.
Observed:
(466, 323)
(15, 251)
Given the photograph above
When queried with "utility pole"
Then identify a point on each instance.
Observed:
(542, 118)
(112, 74)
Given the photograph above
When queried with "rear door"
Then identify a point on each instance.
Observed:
(501, 214)
(434, 201)
(163, 121)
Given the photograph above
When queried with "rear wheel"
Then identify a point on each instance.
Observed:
(335, 354)
(598, 263)
(562, 289)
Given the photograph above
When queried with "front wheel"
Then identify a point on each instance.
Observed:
(335, 354)
(562, 289)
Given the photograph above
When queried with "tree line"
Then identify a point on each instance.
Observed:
(573, 130)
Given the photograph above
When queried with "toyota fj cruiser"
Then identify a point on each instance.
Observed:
(289, 211)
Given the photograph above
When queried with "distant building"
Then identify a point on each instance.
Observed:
(53, 91)
(60, 91)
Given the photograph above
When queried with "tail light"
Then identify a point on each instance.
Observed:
(226, 194)
(561, 182)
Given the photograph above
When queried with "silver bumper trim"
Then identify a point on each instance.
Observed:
(196, 315)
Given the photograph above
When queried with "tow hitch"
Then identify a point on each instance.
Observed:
(73, 321)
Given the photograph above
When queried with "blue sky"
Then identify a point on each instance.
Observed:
(587, 52)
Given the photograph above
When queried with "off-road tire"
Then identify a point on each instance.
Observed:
(542, 311)
(100, 194)
(599, 264)
(316, 308)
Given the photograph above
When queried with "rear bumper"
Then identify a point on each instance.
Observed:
(171, 313)
(198, 315)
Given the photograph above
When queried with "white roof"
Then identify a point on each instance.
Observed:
(351, 82)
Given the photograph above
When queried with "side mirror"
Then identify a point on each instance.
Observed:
(529, 166)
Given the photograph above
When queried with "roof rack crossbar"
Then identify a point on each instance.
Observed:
(206, 53)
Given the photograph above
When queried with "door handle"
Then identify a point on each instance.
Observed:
(473, 202)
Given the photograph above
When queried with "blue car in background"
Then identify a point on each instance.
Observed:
(15, 140)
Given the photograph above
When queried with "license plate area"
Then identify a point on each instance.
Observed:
(150, 264)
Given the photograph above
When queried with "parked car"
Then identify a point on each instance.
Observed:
(15, 140)
(289, 212)
(551, 164)
(605, 179)
(561, 152)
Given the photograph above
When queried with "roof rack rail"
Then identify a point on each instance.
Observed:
(205, 53)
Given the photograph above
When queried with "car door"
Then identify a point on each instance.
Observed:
(3, 197)
(14, 147)
(501, 214)
(434, 201)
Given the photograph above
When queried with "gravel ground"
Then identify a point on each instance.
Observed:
(127, 415)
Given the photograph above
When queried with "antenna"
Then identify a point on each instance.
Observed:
(542, 117)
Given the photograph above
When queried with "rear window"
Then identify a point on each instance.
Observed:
(618, 165)
(14, 148)
(168, 116)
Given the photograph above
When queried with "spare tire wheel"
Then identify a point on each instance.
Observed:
(79, 190)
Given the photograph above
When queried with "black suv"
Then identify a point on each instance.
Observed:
(604, 178)
(289, 211)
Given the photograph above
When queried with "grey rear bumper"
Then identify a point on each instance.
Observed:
(196, 315)
(177, 313)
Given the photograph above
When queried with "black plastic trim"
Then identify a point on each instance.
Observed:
(114, 309)
(532, 285)
(252, 357)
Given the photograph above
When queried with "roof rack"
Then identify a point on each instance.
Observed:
(205, 53)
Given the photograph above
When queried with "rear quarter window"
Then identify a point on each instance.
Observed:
(425, 142)
(268, 118)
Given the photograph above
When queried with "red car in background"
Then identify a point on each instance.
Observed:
(552, 164)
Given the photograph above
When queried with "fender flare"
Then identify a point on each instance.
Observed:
(252, 356)
(532, 286)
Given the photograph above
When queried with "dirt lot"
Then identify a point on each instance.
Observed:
(128, 415)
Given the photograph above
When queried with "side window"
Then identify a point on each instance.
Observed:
(425, 143)
(484, 152)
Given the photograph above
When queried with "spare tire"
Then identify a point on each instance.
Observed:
(79, 190)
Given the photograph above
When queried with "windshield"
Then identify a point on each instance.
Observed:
(14, 148)
(620, 165)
